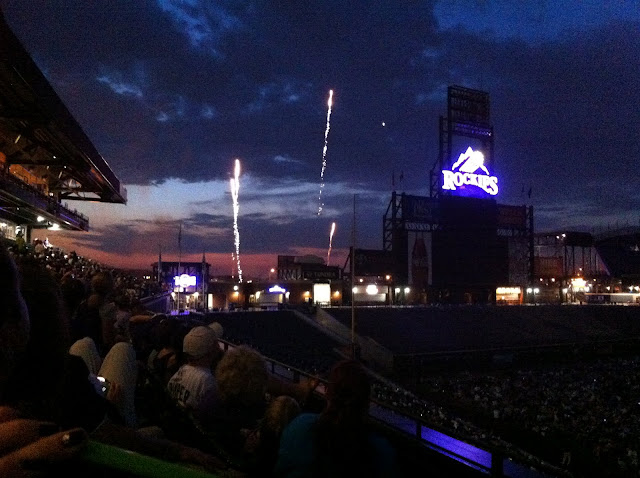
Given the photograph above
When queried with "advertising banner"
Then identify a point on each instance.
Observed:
(512, 216)
(374, 262)
(547, 266)
(420, 209)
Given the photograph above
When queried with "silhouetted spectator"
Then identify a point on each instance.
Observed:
(262, 443)
(194, 386)
(167, 355)
(73, 292)
(338, 442)
(95, 317)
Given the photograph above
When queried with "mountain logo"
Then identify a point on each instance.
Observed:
(470, 161)
(464, 172)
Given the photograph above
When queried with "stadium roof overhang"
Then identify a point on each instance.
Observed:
(45, 157)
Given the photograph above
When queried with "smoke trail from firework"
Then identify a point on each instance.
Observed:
(235, 189)
(324, 150)
(333, 229)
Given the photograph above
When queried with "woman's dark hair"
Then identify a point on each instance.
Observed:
(341, 433)
(48, 383)
(14, 323)
(49, 335)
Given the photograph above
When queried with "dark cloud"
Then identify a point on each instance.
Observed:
(173, 89)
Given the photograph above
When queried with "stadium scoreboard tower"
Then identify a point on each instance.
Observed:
(459, 244)
(468, 117)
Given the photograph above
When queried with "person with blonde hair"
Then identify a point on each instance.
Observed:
(242, 378)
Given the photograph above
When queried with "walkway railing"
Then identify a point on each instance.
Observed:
(485, 457)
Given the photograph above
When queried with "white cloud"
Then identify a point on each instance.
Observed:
(162, 117)
(282, 91)
(120, 86)
(283, 158)
(437, 94)
(203, 22)
(533, 22)
(176, 199)
(208, 112)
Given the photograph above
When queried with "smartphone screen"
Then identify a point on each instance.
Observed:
(105, 385)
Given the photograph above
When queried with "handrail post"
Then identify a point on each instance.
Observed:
(497, 460)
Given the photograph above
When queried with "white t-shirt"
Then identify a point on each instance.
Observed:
(195, 389)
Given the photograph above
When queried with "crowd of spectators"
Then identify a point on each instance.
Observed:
(74, 272)
(582, 415)
(81, 366)
(577, 416)
(51, 379)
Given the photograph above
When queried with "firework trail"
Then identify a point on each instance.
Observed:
(235, 189)
(333, 229)
(233, 269)
(324, 150)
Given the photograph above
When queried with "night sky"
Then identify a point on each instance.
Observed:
(171, 92)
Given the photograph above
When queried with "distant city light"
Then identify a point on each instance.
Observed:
(372, 289)
(578, 283)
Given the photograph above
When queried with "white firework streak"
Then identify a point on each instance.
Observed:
(333, 229)
(235, 189)
(324, 150)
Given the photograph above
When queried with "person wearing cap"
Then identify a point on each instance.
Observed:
(194, 386)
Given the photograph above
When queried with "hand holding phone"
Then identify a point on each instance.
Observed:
(105, 385)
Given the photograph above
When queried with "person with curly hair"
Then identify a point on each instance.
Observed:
(242, 378)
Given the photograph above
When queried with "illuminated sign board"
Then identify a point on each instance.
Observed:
(508, 290)
(184, 280)
(469, 171)
(276, 289)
